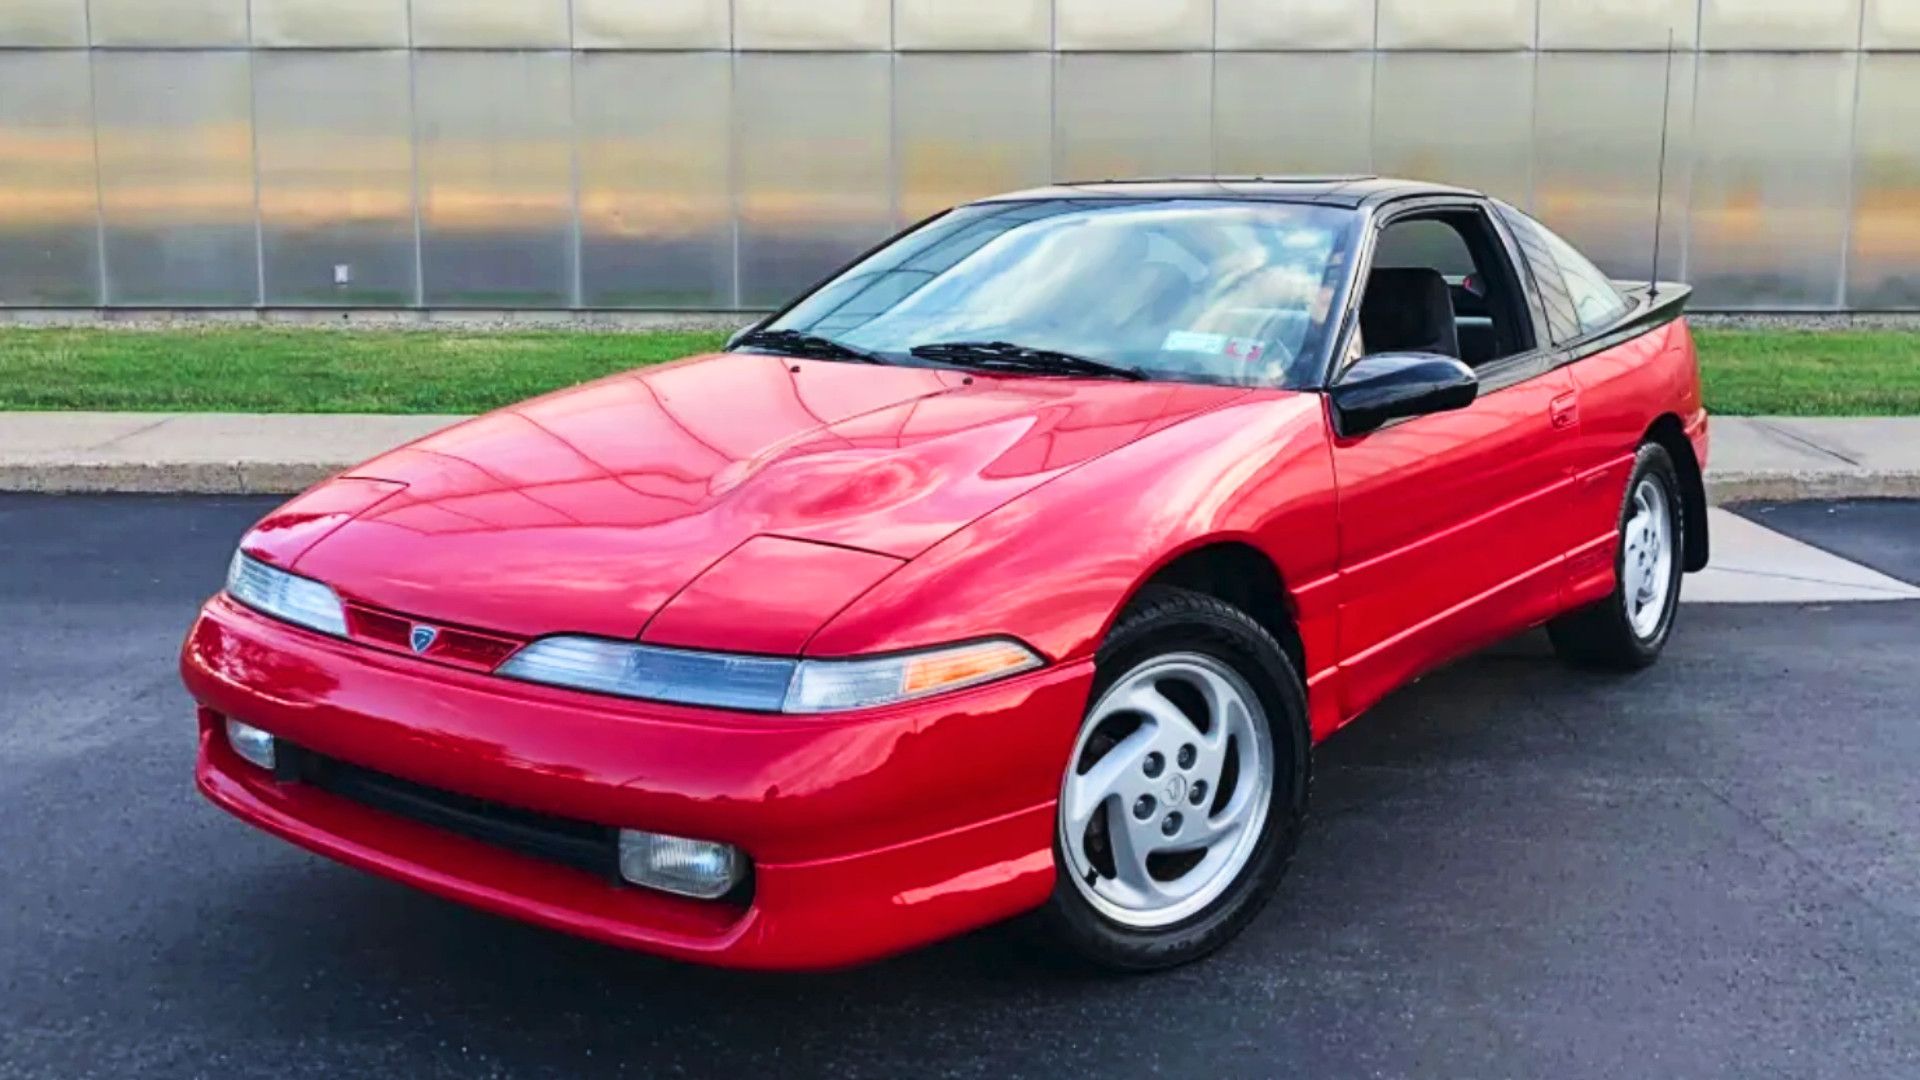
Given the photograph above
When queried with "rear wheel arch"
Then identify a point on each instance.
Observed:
(1235, 573)
(1669, 433)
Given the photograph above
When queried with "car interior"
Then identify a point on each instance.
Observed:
(1441, 284)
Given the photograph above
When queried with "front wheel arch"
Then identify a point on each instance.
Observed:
(1235, 573)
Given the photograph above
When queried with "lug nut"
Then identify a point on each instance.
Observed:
(1143, 807)
(1172, 824)
(1198, 793)
(1154, 764)
(1187, 755)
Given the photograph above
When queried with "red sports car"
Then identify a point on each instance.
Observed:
(1018, 566)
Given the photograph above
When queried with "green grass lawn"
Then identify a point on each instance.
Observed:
(253, 369)
(1810, 373)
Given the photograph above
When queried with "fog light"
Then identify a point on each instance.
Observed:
(697, 868)
(250, 743)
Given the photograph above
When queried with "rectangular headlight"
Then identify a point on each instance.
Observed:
(290, 597)
(755, 683)
(762, 683)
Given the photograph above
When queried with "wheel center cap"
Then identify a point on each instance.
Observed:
(1176, 789)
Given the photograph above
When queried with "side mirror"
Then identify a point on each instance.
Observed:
(1388, 386)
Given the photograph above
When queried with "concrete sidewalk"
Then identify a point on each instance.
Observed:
(200, 453)
(226, 453)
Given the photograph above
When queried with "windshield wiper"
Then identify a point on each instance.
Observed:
(809, 346)
(1006, 355)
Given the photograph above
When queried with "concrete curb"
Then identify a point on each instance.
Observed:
(167, 478)
(288, 478)
(1736, 487)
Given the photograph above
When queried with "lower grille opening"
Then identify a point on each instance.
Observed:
(579, 844)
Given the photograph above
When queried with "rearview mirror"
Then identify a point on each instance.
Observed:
(1389, 386)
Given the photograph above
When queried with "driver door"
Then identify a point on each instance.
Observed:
(1453, 525)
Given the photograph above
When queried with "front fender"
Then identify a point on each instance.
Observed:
(1055, 566)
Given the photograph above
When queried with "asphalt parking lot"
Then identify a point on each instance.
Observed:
(1708, 869)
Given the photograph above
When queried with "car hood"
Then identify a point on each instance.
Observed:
(589, 509)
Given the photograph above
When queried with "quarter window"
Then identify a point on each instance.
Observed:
(1578, 297)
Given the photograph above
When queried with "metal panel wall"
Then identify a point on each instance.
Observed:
(977, 24)
(1294, 24)
(656, 217)
(1456, 24)
(667, 163)
(1788, 25)
(169, 23)
(1458, 119)
(1297, 113)
(970, 126)
(1133, 25)
(813, 147)
(1890, 24)
(315, 24)
(176, 177)
(491, 24)
(1596, 160)
(494, 143)
(1132, 115)
(1770, 179)
(1883, 266)
(334, 143)
(656, 24)
(49, 231)
(815, 24)
(1617, 24)
(34, 23)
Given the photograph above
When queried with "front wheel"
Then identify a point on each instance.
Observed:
(1628, 629)
(1183, 797)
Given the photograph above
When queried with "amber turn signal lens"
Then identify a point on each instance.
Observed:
(963, 666)
(831, 685)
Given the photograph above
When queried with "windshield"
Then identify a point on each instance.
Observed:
(1183, 289)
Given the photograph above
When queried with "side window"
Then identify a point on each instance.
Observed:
(1441, 282)
(1424, 242)
(1578, 297)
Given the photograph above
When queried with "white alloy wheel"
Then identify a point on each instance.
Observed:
(1647, 564)
(1167, 790)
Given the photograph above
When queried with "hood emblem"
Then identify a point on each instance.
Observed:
(422, 637)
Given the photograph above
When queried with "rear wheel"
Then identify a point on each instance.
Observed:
(1628, 629)
(1183, 798)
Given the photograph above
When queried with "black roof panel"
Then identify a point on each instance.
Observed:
(1337, 190)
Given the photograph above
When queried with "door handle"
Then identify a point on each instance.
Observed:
(1564, 410)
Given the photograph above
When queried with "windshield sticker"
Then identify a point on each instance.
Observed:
(1236, 348)
(1193, 341)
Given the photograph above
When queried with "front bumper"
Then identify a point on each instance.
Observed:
(869, 833)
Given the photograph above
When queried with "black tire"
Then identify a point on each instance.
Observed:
(1167, 620)
(1602, 635)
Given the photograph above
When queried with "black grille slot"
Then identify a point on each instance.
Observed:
(580, 844)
